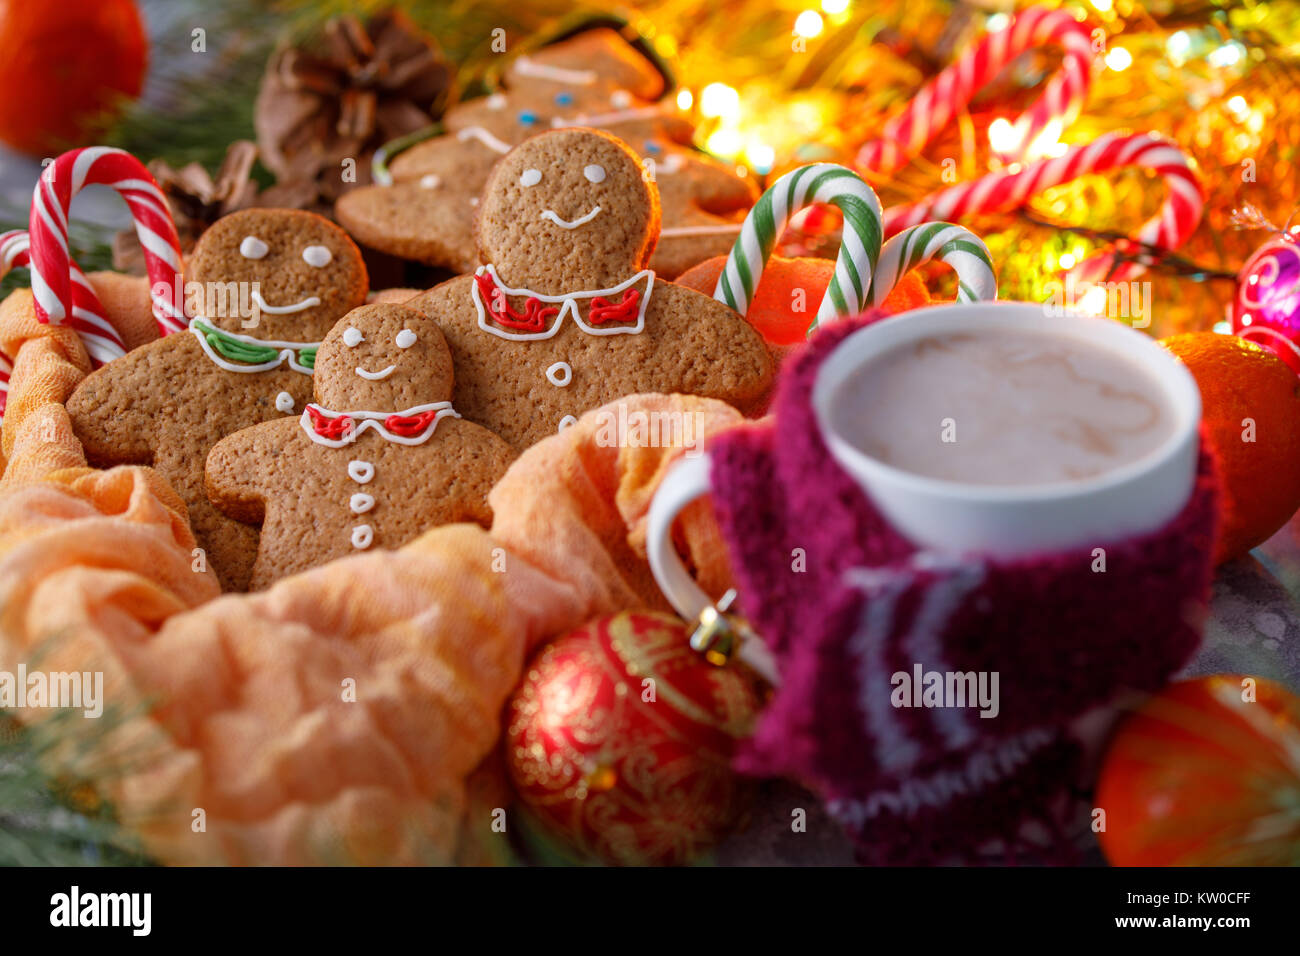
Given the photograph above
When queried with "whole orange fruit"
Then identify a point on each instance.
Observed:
(1251, 408)
(789, 292)
(1204, 774)
(65, 66)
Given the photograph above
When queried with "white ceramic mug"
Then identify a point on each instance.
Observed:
(1002, 521)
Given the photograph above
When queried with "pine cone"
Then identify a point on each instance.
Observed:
(343, 95)
(196, 201)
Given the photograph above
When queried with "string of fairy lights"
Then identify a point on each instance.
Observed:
(814, 79)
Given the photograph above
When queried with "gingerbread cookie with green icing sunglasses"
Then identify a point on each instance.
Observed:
(264, 288)
(595, 79)
(379, 457)
(566, 314)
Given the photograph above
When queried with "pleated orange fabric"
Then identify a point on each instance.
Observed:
(340, 716)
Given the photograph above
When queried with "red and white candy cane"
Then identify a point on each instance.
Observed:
(102, 342)
(942, 98)
(51, 263)
(1002, 191)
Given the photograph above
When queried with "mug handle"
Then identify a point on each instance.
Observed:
(686, 482)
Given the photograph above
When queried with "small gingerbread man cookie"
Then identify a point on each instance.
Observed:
(265, 285)
(566, 315)
(595, 79)
(380, 457)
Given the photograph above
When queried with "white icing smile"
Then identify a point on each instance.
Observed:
(308, 303)
(565, 223)
(376, 376)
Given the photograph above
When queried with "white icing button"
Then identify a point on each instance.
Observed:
(361, 471)
(621, 98)
(531, 177)
(430, 181)
(405, 339)
(361, 502)
(362, 536)
(497, 101)
(253, 248)
(594, 173)
(560, 374)
(352, 337)
(284, 402)
(318, 256)
(565, 422)
(473, 201)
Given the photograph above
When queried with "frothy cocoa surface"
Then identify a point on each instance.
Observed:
(1003, 408)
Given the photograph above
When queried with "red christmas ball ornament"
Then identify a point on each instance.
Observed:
(620, 737)
(1266, 309)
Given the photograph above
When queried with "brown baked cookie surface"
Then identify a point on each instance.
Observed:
(275, 282)
(566, 316)
(379, 458)
(595, 79)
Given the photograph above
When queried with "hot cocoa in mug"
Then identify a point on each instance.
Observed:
(997, 427)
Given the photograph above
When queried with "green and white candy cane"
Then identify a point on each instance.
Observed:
(796, 190)
(960, 248)
(865, 273)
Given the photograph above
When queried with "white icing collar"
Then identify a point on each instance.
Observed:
(379, 421)
(569, 306)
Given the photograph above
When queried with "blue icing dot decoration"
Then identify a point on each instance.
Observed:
(652, 147)
(563, 99)
(528, 118)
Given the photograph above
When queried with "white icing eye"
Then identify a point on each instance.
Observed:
(620, 98)
(352, 338)
(253, 248)
(594, 173)
(531, 177)
(317, 256)
(405, 339)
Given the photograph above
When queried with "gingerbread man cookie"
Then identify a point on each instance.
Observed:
(566, 315)
(595, 79)
(271, 283)
(380, 457)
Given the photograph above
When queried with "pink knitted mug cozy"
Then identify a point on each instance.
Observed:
(844, 602)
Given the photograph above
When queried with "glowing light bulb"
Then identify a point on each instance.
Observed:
(724, 142)
(1103, 6)
(1179, 45)
(1238, 107)
(997, 22)
(1003, 137)
(808, 24)
(761, 157)
(1047, 142)
(684, 99)
(1067, 261)
(834, 7)
(718, 99)
(1227, 55)
(1093, 301)
(1119, 59)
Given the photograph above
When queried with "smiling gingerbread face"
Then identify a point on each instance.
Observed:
(567, 210)
(383, 358)
(295, 271)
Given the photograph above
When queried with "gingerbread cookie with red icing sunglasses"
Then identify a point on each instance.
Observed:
(595, 79)
(378, 458)
(274, 281)
(566, 314)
